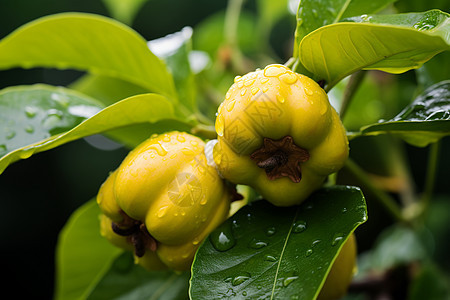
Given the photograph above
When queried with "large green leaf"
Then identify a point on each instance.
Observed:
(86, 42)
(313, 14)
(83, 255)
(268, 252)
(391, 43)
(29, 114)
(145, 108)
(126, 280)
(424, 121)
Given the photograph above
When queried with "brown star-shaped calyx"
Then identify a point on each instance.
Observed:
(281, 158)
(137, 234)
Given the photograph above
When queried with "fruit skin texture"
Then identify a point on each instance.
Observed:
(341, 273)
(274, 103)
(165, 184)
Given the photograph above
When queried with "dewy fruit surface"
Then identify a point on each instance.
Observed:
(164, 200)
(278, 133)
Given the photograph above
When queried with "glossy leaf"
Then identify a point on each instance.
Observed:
(424, 121)
(126, 280)
(83, 255)
(87, 42)
(268, 252)
(332, 52)
(146, 108)
(30, 114)
(313, 14)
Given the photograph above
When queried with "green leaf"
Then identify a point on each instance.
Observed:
(313, 14)
(107, 90)
(146, 108)
(424, 121)
(266, 252)
(29, 114)
(83, 255)
(174, 50)
(124, 10)
(126, 280)
(87, 42)
(335, 51)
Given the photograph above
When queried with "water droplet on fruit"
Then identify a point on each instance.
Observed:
(243, 91)
(237, 78)
(308, 91)
(263, 80)
(249, 82)
(230, 105)
(254, 90)
(219, 125)
(166, 138)
(274, 70)
(162, 211)
(280, 98)
(181, 138)
(288, 78)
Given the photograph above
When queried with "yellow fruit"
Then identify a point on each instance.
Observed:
(341, 272)
(278, 133)
(165, 199)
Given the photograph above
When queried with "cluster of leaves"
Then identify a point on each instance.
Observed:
(133, 88)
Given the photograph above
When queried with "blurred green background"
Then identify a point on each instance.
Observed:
(39, 194)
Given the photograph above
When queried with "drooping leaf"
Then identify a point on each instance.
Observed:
(424, 121)
(126, 280)
(87, 42)
(372, 42)
(124, 10)
(29, 114)
(83, 255)
(268, 252)
(145, 108)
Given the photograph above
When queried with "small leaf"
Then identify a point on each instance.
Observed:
(268, 252)
(146, 108)
(335, 51)
(82, 254)
(424, 121)
(29, 114)
(129, 281)
(88, 42)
